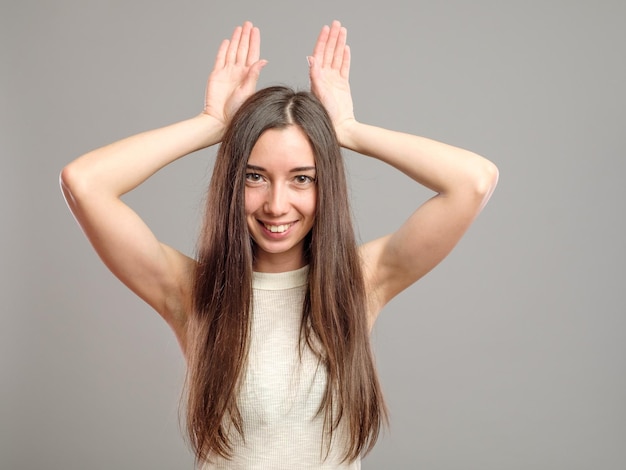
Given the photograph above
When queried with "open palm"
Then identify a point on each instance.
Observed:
(329, 70)
(235, 73)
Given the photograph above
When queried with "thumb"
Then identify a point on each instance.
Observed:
(311, 61)
(312, 70)
(255, 72)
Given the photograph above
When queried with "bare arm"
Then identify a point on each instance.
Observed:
(94, 183)
(462, 180)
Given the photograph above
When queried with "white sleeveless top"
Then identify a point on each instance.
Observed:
(281, 392)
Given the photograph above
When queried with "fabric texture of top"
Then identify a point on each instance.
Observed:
(282, 389)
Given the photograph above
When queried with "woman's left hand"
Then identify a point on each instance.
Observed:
(329, 70)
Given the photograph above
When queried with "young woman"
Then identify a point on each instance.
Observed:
(274, 315)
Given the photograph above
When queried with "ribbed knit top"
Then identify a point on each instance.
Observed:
(282, 390)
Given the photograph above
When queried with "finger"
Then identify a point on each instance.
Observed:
(254, 49)
(314, 74)
(345, 64)
(339, 49)
(244, 42)
(312, 69)
(253, 74)
(231, 54)
(221, 54)
(320, 45)
(329, 50)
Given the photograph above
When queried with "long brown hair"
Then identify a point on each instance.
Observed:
(334, 320)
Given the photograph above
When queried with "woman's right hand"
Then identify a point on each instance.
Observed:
(235, 73)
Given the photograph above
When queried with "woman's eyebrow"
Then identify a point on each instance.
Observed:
(293, 170)
(303, 168)
(254, 167)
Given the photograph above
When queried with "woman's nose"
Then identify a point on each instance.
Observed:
(277, 201)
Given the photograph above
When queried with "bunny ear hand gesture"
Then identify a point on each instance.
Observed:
(329, 70)
(235, 73)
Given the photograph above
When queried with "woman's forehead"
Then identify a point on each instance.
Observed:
(282, 148)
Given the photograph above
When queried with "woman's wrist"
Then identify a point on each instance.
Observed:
(347, 133)
(211, 129)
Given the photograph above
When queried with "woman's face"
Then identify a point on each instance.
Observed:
(280, 198)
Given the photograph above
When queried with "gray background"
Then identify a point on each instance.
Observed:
(509, 355)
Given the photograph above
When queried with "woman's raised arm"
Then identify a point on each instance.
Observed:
(462, 180)
(94, 183)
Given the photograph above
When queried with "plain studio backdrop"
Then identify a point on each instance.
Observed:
(509, 355)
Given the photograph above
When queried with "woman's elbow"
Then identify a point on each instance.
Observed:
(485, 181)
(72, 181)
(489, 178)
(67, 178)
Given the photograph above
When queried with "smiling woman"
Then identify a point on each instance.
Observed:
(280, 198)
(279, 174)
(274, 314)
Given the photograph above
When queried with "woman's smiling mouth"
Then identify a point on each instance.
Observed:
(277, 228)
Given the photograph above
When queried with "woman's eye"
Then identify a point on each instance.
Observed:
(253, 177)
(304, 179)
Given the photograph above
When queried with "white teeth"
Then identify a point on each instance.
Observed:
(277, 228)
